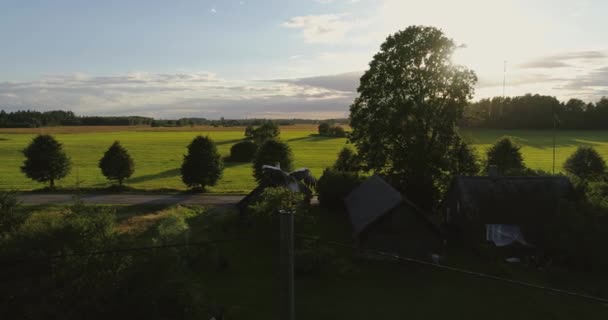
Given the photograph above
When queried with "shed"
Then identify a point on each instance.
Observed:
(475, 206)
(383, 219)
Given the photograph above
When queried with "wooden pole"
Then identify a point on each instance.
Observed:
(287, 265)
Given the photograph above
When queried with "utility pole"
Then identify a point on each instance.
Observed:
(287, 265)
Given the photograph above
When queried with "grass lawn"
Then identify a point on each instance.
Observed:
(158, 152)
(249, 287)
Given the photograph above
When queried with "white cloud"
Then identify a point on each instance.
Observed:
(174, 95)
(324, 28)
(213, 10)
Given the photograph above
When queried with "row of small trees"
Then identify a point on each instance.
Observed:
(47, 161)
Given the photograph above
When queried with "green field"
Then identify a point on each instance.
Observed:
(158, 154)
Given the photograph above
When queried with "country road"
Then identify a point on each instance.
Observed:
(131, 199)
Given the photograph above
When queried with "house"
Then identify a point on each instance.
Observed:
(384, 220)
(503, 210)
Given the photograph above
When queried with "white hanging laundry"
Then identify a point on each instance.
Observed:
(504, 234)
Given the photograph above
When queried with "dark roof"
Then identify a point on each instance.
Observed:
(370, 201)
(507, 199)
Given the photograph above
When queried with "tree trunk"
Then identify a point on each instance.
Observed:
(52, 181)
(120, 182)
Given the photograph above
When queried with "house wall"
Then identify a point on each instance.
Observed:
(402, 232)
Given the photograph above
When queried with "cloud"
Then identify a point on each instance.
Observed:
(564, 60)
(213, 10)
(324, 28)
(174, 95)
(344, 82)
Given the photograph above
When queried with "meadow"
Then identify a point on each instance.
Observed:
(158, 152)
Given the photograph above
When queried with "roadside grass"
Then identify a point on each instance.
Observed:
(158, 153)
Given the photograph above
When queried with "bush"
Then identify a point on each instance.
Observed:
(272, 152)
(324, 128)
(334, 186)
(10, 217)
(243, 151)
(585, 163)
(202, 166)
(274, 199)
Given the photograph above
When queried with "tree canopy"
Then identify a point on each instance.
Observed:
(585, 163)
(202, 165)
(45, 160)
(116, 163)
(271, 153)
(506, 156)
(267, 131)
(410, 100)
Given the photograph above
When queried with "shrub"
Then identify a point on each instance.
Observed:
(334, 186)
(337, 132)
(243, 151)
(202, 166)
(324, 128)
(274, 199)
(116, 163)
(45, 160)
(10, 217)
(585, 163)
(173, 227)
(272, 152)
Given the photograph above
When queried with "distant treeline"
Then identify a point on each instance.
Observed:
(536, 112)
(35, 119)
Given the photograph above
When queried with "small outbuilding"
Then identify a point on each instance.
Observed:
(503, 210)
(383, 219)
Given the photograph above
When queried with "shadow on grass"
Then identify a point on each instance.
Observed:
(314, 137)
(228, 142)
(161, 175)
(539, 139)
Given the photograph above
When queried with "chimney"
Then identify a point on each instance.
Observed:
(493, 171)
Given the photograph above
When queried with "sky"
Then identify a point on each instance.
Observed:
(278, 58)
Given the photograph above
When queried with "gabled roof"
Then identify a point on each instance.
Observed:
(507, 199)
(370, 201)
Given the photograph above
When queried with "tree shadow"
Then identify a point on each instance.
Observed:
(161, 175)
(539, 139)
(228, 142)
(313, 137)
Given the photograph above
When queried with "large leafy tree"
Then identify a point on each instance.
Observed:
(585, 163)
(116, 163)
(202, 165)
(45, 160)
(267, 131)
(272, 153)
(410, 100)
(506, 156)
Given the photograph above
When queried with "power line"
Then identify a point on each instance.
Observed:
(464, 271)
